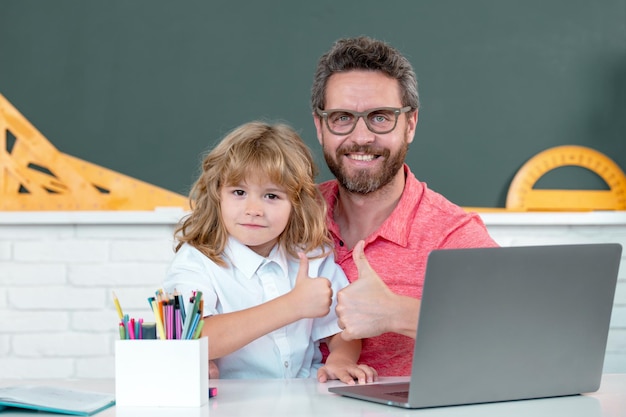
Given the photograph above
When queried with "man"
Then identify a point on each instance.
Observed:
(383, 220)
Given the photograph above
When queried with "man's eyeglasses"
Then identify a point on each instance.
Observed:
(380, 120)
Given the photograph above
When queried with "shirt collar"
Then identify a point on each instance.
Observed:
(248, 261)
(394, 229)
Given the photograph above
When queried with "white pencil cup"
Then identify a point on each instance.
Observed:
(162, 373)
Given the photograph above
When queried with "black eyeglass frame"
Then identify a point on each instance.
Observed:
(396, 111)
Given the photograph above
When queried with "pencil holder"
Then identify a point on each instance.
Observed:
(162, 373)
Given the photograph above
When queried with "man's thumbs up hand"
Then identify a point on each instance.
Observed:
(362, 265)
(361, 305)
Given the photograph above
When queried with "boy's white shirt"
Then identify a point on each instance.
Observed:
(249, 280)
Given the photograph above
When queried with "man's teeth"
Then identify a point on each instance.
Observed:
(362, 157)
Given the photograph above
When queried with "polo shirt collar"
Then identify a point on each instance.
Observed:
(394, 229)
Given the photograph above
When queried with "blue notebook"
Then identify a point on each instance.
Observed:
(55, 399)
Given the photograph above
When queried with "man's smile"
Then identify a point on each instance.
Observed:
(361, 157)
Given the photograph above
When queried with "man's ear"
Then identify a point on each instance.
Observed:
(411, 125)
(318, 127)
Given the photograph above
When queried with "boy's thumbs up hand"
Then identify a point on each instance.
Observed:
(312, 296)
(360, 307)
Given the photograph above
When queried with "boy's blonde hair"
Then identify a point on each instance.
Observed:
(256, 150)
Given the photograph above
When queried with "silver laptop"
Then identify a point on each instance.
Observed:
(509, 323)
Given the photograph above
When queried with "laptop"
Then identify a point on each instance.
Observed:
(508, 323)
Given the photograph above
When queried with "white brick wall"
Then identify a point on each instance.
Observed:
(57, 274)
(58, 271)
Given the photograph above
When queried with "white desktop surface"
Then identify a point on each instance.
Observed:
(307, 397)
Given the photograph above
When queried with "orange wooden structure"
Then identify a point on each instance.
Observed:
(34, 175)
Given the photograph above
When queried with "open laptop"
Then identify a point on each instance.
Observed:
(509, 323)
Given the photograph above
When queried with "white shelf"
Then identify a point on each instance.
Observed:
(173, 215)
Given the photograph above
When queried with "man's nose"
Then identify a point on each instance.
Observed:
(361, 133)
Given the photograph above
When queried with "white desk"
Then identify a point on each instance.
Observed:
(306, 397)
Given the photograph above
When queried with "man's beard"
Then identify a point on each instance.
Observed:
(364, 181)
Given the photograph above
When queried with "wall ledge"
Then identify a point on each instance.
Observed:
(592, 218)
(158, 216)
(171, 216)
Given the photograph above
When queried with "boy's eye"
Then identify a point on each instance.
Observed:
(239, 193)
(272, 196)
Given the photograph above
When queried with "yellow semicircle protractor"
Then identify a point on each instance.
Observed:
(523, 197)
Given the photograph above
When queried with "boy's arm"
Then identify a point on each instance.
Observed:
(228, 332)
(342, 361)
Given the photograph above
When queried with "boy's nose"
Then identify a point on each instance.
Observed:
(254, 208)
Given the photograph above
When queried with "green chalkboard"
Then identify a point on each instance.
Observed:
(145, 87)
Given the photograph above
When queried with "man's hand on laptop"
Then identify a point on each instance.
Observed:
(347, 372)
